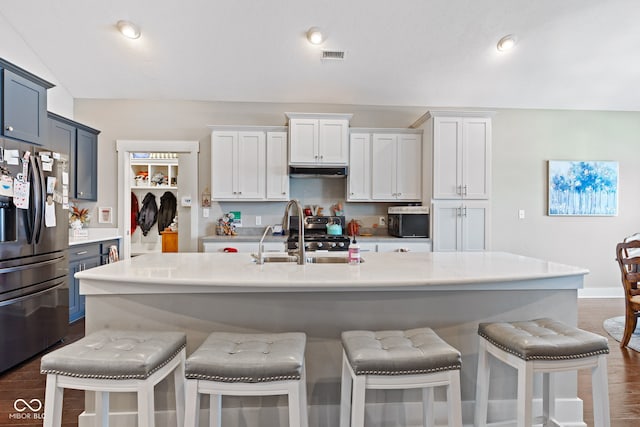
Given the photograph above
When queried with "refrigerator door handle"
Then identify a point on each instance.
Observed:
(30, 213)
(38, 193)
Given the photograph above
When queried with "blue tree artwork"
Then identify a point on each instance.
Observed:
(583, 188)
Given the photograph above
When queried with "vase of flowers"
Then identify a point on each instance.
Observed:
(78, 218)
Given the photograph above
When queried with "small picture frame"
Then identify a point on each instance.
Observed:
(105, 215)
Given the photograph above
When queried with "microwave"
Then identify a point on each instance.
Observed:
(408, 221)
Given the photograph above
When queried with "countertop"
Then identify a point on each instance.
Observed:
(95, 235)
(236, 272)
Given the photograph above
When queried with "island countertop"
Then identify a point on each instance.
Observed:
(451, 293)
(217, 272)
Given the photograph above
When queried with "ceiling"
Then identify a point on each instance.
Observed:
(571, 54)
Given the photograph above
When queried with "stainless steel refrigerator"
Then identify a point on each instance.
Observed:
(34, 292)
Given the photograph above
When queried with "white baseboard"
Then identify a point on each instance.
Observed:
(569, 414)
(616, 292)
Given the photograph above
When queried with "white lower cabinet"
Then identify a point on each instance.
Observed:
(243, 247)
(460, 226)
(404, 246)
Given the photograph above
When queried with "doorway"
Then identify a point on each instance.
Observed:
(187, 188)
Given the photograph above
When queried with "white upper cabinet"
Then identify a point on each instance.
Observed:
(461, 156)
(238, 161)
(396, 167)
(359, 177)
(318, 139)
(277, 167)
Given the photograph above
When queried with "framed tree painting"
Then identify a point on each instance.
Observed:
(586, 188)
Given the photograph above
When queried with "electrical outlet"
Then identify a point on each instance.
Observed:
(205, 212)
(258, 220)
(521, 213)
(382, 220)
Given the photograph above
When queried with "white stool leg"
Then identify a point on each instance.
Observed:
(53, 402)
(179, 380)
(294, 405)
(357, 400)
(454, 399)
(525, 394)
(345, 393)
(146, 406)
(102, 408)
(215, 410)
(482, 385)
(192, 404)
(427, 407)
(548, 396)
(600, 393)
(302, 391)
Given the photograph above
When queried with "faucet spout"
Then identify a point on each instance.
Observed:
(285, 226)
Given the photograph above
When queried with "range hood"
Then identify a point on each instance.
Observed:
(316, 171)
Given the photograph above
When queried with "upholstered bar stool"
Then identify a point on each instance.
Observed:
(234, 364)
(415, 358)
(115, 361)
(546, 346)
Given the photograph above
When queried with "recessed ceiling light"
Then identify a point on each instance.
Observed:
(128, 29)
(315, 36)
(507, 43)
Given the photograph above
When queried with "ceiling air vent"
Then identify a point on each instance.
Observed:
(333, 54)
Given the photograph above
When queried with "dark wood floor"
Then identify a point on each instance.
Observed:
(26, 382)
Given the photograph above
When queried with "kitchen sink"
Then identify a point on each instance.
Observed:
(309, 259)
(328, 260)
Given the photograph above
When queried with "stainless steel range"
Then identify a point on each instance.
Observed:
(316, 236)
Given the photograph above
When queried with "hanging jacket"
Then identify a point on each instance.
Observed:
(167, 211)
(134, 212)
(148, 213)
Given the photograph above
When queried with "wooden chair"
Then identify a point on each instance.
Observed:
(628, 256)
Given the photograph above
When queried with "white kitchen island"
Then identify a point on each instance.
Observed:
(449, 292)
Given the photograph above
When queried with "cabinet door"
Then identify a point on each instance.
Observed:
(447, 226)
(222, 167)
(24, 109)
(251, 160)
(474, 217)
(277, 169)
(359, 178)
(333, 146)
(303, 141)
(476, 158)
(86, 165)
(447, 146)
(409, 167)
(383, 167)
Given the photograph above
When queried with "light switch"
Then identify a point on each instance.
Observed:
(205, 213)
(258, 220)
(521, 214)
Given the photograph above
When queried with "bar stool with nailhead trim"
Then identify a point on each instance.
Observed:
(233, 364)
(115, 361)
(546, 346)
(415, 358)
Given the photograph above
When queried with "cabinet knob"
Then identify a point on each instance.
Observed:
(9, 128)
(283, 193)
(81, 193)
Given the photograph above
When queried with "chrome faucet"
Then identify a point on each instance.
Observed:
(285, 226)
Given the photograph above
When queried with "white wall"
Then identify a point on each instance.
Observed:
(523, 142)
(16, 51)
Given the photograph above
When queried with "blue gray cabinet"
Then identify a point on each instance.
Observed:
(23, 106)
(82, 257)
(82, 143)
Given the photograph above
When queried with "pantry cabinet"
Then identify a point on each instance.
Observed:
(460, 225)
(359, 177)
(318, 139)
(396, 167)
(238, 162)
(461, 157)
(23, 104)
